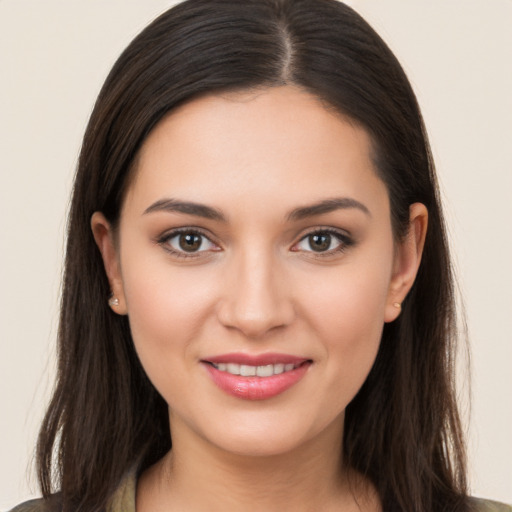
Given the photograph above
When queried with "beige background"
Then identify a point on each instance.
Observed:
(54, 56)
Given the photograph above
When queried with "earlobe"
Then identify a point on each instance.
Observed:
(104, 238)
(407, 260)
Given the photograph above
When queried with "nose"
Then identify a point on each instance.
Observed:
(256, 298)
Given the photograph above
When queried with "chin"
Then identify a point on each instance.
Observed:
(267, 436)
(260, 445)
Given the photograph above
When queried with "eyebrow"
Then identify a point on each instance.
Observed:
(188, 207)
(303, 212)
(327, 206)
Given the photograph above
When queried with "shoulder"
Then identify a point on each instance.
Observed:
(40, 505)
(481, 505)
(122, 500)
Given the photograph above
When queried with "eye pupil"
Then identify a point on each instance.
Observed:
(320, 242)
(190, 242)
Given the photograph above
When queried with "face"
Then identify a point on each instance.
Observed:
(256, 238)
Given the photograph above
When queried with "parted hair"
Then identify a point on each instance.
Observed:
(402, 430)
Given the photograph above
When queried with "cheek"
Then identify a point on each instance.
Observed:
(352, 324)
(346, 311)
(167, 309)
(348, 303)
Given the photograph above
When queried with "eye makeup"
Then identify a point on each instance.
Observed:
(193, 242)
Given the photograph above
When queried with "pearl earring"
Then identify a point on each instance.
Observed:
(113, 301)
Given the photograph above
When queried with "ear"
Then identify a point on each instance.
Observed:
(407, 260)
(104, 237)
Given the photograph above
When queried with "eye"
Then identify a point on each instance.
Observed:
(323, 241)
(187, 243)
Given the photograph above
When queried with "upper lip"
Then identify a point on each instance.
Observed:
(256, 359)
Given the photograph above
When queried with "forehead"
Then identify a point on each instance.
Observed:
(281, 144)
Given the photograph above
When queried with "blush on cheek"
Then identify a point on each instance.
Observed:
(349, 314)
(347, 301)
(162, 297)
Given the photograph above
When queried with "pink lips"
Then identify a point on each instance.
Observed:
(256, 388)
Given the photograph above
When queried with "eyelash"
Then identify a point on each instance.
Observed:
(344, 240)
(164, 241)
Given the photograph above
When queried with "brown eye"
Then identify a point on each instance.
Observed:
(185, 243)
(190, 242)
(323, 242)
(320, 242)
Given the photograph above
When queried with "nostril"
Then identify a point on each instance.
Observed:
(253, 322)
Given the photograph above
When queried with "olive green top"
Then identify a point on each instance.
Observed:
(123, 500)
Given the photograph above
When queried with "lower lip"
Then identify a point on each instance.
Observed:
(256, 388)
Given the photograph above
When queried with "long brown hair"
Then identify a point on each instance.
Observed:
(402, 429)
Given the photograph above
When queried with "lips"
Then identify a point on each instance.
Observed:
(256, 377)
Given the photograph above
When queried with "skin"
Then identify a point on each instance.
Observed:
(257, 284)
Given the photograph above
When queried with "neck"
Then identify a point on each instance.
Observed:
(198, 476)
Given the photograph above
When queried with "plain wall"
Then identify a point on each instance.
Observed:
(54, 56)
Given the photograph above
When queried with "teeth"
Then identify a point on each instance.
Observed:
(278, 368)
(265, 371)
(246, 370)
(233, 368)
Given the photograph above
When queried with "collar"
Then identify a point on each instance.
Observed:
(123, 499)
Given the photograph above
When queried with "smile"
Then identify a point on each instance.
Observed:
(256, 377)
(255, 371)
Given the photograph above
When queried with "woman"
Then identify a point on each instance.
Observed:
(256, 201)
